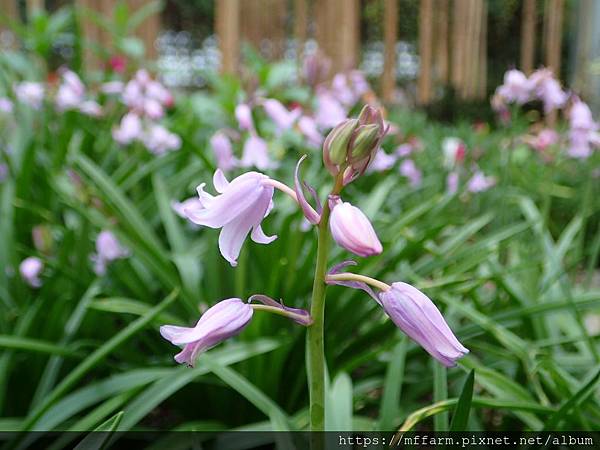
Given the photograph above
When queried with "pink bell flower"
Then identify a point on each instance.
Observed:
(243, 114)
(6, 106)
(238, 210)
(108, 249)
(352, 230)
(280, 115)
(308, 127)
(516, 87)
(221, 147)
(409, 170)
(159, 140)
(256, 154)
(480, 183)
(452, 183)
(415, 314)
(129, 129)
(548, 90)
(382, 161)
(30, 93)
(220, 322)
(30, 270)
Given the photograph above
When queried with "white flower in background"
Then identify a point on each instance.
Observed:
(30, 93)
(159, 140)
(129, 129)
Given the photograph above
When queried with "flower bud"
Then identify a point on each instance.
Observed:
(352, 230)
(335, 149)
(415, 314)
(366, 138)
(352, 144)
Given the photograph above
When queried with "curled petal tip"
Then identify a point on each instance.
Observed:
(309, 212)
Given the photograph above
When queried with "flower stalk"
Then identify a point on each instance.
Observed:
(315, 349)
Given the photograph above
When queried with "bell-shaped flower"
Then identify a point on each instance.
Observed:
(30, 93)
(479, 182)
(108, 249)
(315, 68)
(548, 90)
(256, 154)
(516, 87)
(129, 129)
(330, 111)
(239, 209)
(415, 314)
(308, 127)
(409, 169)
(6, 106)
(220, 322)
(30, 269)
(452, 183)
(410, 310)
(280, 115)
(221, 147)
(382, 161)
(352, 230)
(159, 140)
(243, 114)
(223, 321)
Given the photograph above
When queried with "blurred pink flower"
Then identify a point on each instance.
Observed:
(409, 170)
(30, 270)
(108, 249)
(256, 154)
(548, 90)
(382, 161)
(129, 129)
(516, 87)
(30, 93)
(280, 115)
(479, 182)
(159, 140)
(243, 114)
(221, 147)
(452, 183)
(308, 127)
(6, 106)
(329, 111)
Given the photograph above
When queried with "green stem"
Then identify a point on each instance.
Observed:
(315, 349)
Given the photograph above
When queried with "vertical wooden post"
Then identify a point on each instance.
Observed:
(10, 12)
(34, 5)
(390, 37)
(424, 92)
(348, 15)
(227, 24)
(582, 76)
(553, 34)
(442, 56)
(300, 25)
(338, 32)
(528, 23)
(458, 19)
(482, 88)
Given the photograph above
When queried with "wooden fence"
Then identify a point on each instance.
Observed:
(452, 37)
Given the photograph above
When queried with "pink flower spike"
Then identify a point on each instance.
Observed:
(452, 183)
(220, 322)
(311, 215)
(409, 170)
(239, 208)
(352, 230)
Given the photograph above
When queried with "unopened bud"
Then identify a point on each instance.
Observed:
(366, 139)
(336, 144)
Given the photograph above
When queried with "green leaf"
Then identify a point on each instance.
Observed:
(392, 387)
(338, 407)
(99, 438)
(460, 417)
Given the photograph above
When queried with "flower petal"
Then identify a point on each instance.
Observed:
(311, 215)
(259, 236)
